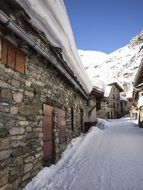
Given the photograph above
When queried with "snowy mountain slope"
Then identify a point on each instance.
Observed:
(96, 57)
(121, 65)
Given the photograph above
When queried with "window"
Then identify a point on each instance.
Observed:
(12, 57)
(113, 105)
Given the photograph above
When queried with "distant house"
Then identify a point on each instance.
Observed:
(138, 93)
(44, 95)
(113, 101)
(94, 105)
(133, 110)
(125, 105)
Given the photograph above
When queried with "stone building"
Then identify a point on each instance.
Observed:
(93, 107)
(138, 94)
(43, 102)
(113, 101)
(125, 105)
(132, 105)
(102, 111)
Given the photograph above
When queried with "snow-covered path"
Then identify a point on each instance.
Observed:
(109, 159)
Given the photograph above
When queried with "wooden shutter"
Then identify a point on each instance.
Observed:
(20, 62)
(4, 51)
(47, 131)
(11, 56)
(62, 126)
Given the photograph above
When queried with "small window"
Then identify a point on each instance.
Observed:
(12, 57)
(113, 105)
(72, 119)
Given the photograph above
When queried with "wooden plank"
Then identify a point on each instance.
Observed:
(4, 52)
(47, 131)
(47, 110)
(62, 126)
(47, 128)
(47, 149)
(20, 62)
(11, 57)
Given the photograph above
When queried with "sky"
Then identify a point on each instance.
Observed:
(104, 25)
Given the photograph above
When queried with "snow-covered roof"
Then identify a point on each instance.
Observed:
(118, 85)
(99, 85)
(51, 17)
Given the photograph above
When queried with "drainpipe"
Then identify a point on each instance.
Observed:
(12, 26)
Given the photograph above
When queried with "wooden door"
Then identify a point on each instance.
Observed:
(47, 134)
(62, 126)
(81, 120)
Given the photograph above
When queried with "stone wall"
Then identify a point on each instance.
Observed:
(21, 118)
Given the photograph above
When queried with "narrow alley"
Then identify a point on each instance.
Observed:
(108, 159)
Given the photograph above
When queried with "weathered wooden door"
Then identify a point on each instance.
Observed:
(81, 120)
(62, 126)
(47, 135)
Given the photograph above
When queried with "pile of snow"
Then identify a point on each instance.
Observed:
(103, 159)
(51, 17)
(101, 123)
(51, 177)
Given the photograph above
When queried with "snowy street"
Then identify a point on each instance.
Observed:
(107, 159)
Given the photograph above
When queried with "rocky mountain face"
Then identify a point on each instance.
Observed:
(121, 65)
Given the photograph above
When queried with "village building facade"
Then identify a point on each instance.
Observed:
(93, 107)
(138, 94)
(125, 105)
(43, 104)
(113, 101)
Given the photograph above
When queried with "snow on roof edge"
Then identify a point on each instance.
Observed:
(57, 28)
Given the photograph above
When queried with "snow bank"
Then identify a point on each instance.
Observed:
(51, 17)
(46, 178)
(101, 123)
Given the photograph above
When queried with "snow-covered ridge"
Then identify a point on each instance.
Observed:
(121, 65)
(51, 17)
